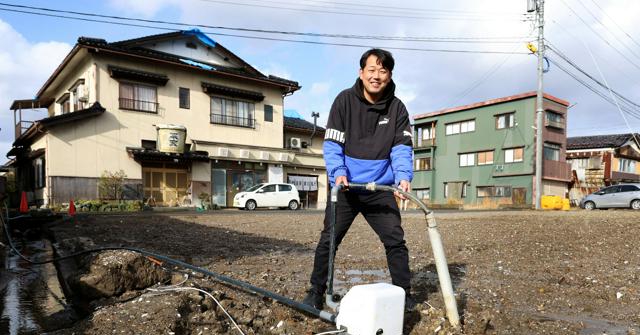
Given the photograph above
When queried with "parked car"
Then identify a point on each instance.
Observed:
(621, 196)
(268, 195)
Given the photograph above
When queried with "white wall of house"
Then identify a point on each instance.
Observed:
(88, 147)
(201, 52)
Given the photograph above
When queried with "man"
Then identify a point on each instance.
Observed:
(368, 139)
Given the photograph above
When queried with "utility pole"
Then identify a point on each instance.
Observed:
(539, 102)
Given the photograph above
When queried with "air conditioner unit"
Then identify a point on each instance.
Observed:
(223, 152)
(244, 153)
(264, 155)
(283, 157)
(295, 143)
(83, 93)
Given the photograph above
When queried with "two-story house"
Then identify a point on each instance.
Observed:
(602, 160)
(105, 102)
(483, 155)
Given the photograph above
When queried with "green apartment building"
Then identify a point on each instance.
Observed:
(482, 155)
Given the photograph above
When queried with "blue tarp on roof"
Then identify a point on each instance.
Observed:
(201, 36)
(292, 113)
(198, 64)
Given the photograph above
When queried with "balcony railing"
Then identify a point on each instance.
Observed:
(139, 105)
(420, 143)
(554, 124)
(556, 170)
(21, 127)
(246, 122)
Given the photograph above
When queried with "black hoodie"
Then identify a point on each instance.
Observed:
(368, 142)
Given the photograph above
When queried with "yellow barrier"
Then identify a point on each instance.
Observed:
(554, 202)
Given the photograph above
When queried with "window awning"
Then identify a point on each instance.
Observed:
(143, 76)
(232, 92)
(142, 154)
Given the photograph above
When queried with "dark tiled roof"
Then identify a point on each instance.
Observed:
(95, 110)
(598, 141)
(132, 47)
(300, 124)
(41, 125)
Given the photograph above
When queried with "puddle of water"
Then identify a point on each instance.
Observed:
(32, 299)
(592, 326)
(344, 280)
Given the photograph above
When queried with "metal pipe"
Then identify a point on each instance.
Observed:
(434, 237)
(243, 285)
(332, 245)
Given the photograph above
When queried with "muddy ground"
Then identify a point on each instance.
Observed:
(514, 272)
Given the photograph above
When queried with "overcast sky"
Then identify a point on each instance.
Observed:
(31, 47)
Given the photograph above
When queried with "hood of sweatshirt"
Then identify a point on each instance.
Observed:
(387, 95)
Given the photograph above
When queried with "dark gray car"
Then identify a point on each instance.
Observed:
(617, 196)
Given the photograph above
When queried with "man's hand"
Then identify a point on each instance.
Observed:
(405, 186)
(342, 180)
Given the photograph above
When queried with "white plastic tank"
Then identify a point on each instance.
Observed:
(372, 309)
(171, 138)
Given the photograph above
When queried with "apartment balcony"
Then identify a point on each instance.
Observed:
(625, 177)
(556, 170)
(21, 127)
(424, 144)
(554, 124)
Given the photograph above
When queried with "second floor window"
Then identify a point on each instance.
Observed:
(426, 135)
(423, 164)
(184, 97)
(65, 105)
(505, 121)
(627, 165)
(467, 159)
(485, 157)
(513, 155)
(553, 120)
(232, 112)
(268, 113)
(138, 97)
(460, 127)
(551, 152)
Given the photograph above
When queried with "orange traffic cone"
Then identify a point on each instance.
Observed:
(24, 208)
(72, 208)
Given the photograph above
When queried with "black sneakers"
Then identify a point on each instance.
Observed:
(409, 303)
(314, 299)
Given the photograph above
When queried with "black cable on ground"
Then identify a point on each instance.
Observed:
(243, 285)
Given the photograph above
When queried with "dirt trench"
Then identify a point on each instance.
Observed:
(513, 272)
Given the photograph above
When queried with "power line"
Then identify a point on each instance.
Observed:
(607, 28)
(489, 40)
(266, 38)
(585, 73)
(615, 23)
(360, 4)
(452, 18)
(631, 112)
(599, 36)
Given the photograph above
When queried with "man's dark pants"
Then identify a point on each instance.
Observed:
(381, 212)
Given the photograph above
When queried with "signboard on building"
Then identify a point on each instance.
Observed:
(304, 183)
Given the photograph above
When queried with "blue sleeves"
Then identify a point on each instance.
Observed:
(334, 160)
(402, 163)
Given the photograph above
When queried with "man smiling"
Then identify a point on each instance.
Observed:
(368, 139)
